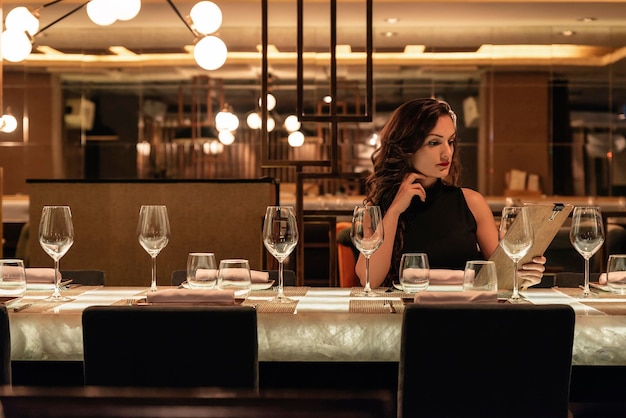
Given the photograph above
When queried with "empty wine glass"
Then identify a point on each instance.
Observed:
(153, 233)
(56, 236)
(587, 236)
(516, 238)
(280, 236)
(367, 234)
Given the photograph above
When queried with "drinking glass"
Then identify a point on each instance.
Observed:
(12, 278)
(153, 233)
(367, 234)
(56, 236)
(414, 272)
(235, 274)
(587, 236)
(616, 273)
(201, 270)
(480, 275)
(280, 236)
(516, 238)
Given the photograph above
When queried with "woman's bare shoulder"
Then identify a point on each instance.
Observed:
(475, 200)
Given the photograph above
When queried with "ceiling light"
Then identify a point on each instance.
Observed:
(226, 137)
(9, 122)
(210, 52)
(389, 34)
(567, 32)
(20, 18)
(587, 19)
(271, 102)
(206, 17)
(296, 139)
(101, 13)
(292, 123)
(392, 20)
(127, 9)
(15, 45)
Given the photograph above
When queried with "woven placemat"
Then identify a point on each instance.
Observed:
(267, 307)
(378, 305)
(384, 292)
(289, 291)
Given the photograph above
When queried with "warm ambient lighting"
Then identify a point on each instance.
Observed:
(9, 123)
(22, 26)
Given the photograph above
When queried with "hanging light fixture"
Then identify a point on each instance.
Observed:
(204, 20)
(9, 123)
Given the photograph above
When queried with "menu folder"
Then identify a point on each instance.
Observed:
(546, 221)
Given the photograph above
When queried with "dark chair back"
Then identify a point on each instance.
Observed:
(5, 347)
(170, 346)
(485, 360)
(85, 277)
(289, 277)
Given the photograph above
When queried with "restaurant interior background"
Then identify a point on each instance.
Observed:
(539, 87)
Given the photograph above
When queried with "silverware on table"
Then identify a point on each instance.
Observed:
(22, 307)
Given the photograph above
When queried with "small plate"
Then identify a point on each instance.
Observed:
(398, 286)
(599, 286)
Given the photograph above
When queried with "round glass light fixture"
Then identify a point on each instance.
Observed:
(15, 45)
(101, 13)
(210, 52)
(127, 9)
(271, 124)
(292, 123)
(296, 139)
(254, 121)
(206, 17)
(226, 137)
(22, 19)
(10, 123)
(226, 121)
(271, 101)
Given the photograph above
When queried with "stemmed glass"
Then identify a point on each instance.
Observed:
(56, 236)
(153, 233)
(516, 238)
(280, 236)
(587, 236)
(367, 234)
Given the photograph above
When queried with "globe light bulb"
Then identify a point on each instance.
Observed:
(206, 17)
(15, 45)
(10, 123)
(254, 121)
(210, 53)
(292, 123)
(296, 139)
(271, 101)
(226, 137)
(127, 9)
(101, 13)
(226, 121)
(271, 124)
(22, 19)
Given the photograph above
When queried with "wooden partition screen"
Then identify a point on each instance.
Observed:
(220, 216)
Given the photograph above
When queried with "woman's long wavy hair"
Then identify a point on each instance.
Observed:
(403, 134)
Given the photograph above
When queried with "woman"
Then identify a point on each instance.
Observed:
(416, 170)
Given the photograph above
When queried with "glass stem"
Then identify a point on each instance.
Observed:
(367, 289)
(153, 285)
(586, 290)
(281, 293)
(57, 280)
(515, 294)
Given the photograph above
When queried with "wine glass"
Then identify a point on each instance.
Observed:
(280, 236)
(367, 234)
(516, 238)
(587, 236)
(153, 233)
(56, 236)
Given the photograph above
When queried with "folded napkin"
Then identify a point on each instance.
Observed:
(457, 297)
(39, 275)
(259, 276)
(191, 296)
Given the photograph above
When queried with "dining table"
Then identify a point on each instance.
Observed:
(323, 324)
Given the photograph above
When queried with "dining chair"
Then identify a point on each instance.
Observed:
(170, 346)
(289, 277)
(85, 277)
(5, 347)
(485, 360)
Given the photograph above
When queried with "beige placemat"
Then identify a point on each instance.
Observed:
(289, 291)
(609, 308)
(267, 307)
(378, 305)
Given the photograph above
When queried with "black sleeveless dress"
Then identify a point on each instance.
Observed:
(442, 227)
